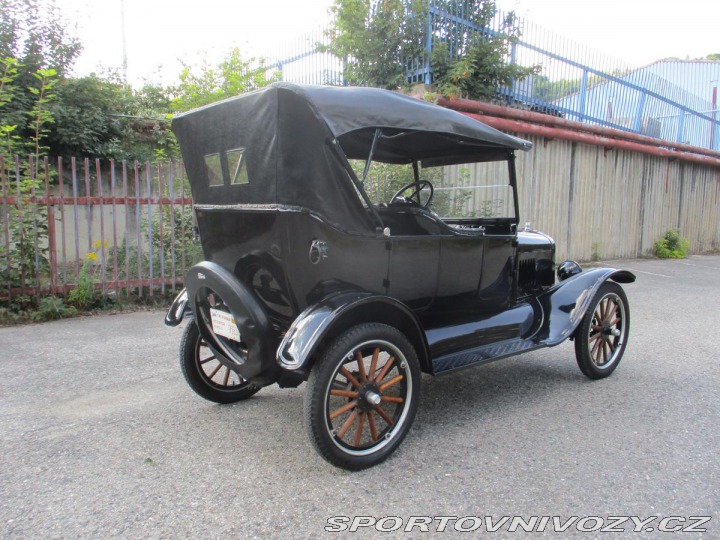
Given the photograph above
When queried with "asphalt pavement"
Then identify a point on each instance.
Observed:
(100, 437)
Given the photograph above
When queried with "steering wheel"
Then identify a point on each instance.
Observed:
(418, 187)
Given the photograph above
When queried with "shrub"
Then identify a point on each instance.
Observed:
(672, 246)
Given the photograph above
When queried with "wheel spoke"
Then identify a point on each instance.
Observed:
(604, 352)
(215, 371)
(385, 369)
(352, 380)
(206, 360)
(373, 427)
(344, 393)
(359, 431)
(227, 376)
(612, 312)
(391, 399)
(390, 383)
(615, 321)
(343, 409)
(385, 416)
(373, 364)
(612, 346)
(361, 366)
(347, 424)
(594, 337)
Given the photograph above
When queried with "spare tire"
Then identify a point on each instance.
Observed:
(221, 301)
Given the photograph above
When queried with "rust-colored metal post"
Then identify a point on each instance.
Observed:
(63, 248)
(114, 227)
(52, 242)
(103, 261)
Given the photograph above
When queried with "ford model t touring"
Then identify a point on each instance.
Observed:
(355, 238)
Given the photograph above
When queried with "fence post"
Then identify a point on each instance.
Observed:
(428, 46)
(513, 61)
(52, 243)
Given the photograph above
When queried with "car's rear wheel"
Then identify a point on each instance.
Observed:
(206, 374)
(362, 396)
(602, 337)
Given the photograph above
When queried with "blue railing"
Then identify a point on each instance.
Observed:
(671, 100)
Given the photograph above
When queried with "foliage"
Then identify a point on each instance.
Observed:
(672, 246)
(34, 33)
(52, 308)
(83, 295)
(474, 64)
(102, 118)
(26, 250)
(376, 39)
(595, 251)
(232, 76)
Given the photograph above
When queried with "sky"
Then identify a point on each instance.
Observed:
(162, 33)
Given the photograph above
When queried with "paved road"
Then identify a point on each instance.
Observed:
(100, 436)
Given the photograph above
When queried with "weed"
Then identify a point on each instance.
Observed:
(672, 246)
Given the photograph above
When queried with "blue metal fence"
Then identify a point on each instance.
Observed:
(674, 100)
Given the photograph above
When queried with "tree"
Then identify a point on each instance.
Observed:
(231, 77)
(35, 36)
(103, 118)
(374, 37)
(377, 39)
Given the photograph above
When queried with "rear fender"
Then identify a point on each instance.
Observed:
(565, 305)
(334, 314)
(252, 357)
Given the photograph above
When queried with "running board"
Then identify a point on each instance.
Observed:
(483, 354)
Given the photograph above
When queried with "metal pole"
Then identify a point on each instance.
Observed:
(124, 42)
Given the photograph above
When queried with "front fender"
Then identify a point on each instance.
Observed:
(338, 312)
(565, 305)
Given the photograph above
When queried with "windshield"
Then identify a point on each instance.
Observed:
(464, 191)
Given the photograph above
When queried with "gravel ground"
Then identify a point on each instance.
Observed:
(100, 437)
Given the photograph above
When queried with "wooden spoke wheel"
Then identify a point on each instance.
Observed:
(601, 338)
(208, 375)
(362, 396)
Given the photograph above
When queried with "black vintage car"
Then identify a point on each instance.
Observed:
(355, 238)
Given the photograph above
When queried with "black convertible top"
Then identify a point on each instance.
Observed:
(289, 137)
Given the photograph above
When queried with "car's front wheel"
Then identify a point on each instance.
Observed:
(362, 396)
(206, 374)
(602, 336)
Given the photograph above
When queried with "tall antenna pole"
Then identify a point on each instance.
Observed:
(124, 42)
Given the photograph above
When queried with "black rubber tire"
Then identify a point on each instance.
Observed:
(198, 379)
(325, 377)
(589, 357)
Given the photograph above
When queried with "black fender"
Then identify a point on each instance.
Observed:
(336, 313)
(178, 309)
(254, 356)
(565, 304)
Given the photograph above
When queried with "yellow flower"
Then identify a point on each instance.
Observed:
(91, 257)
